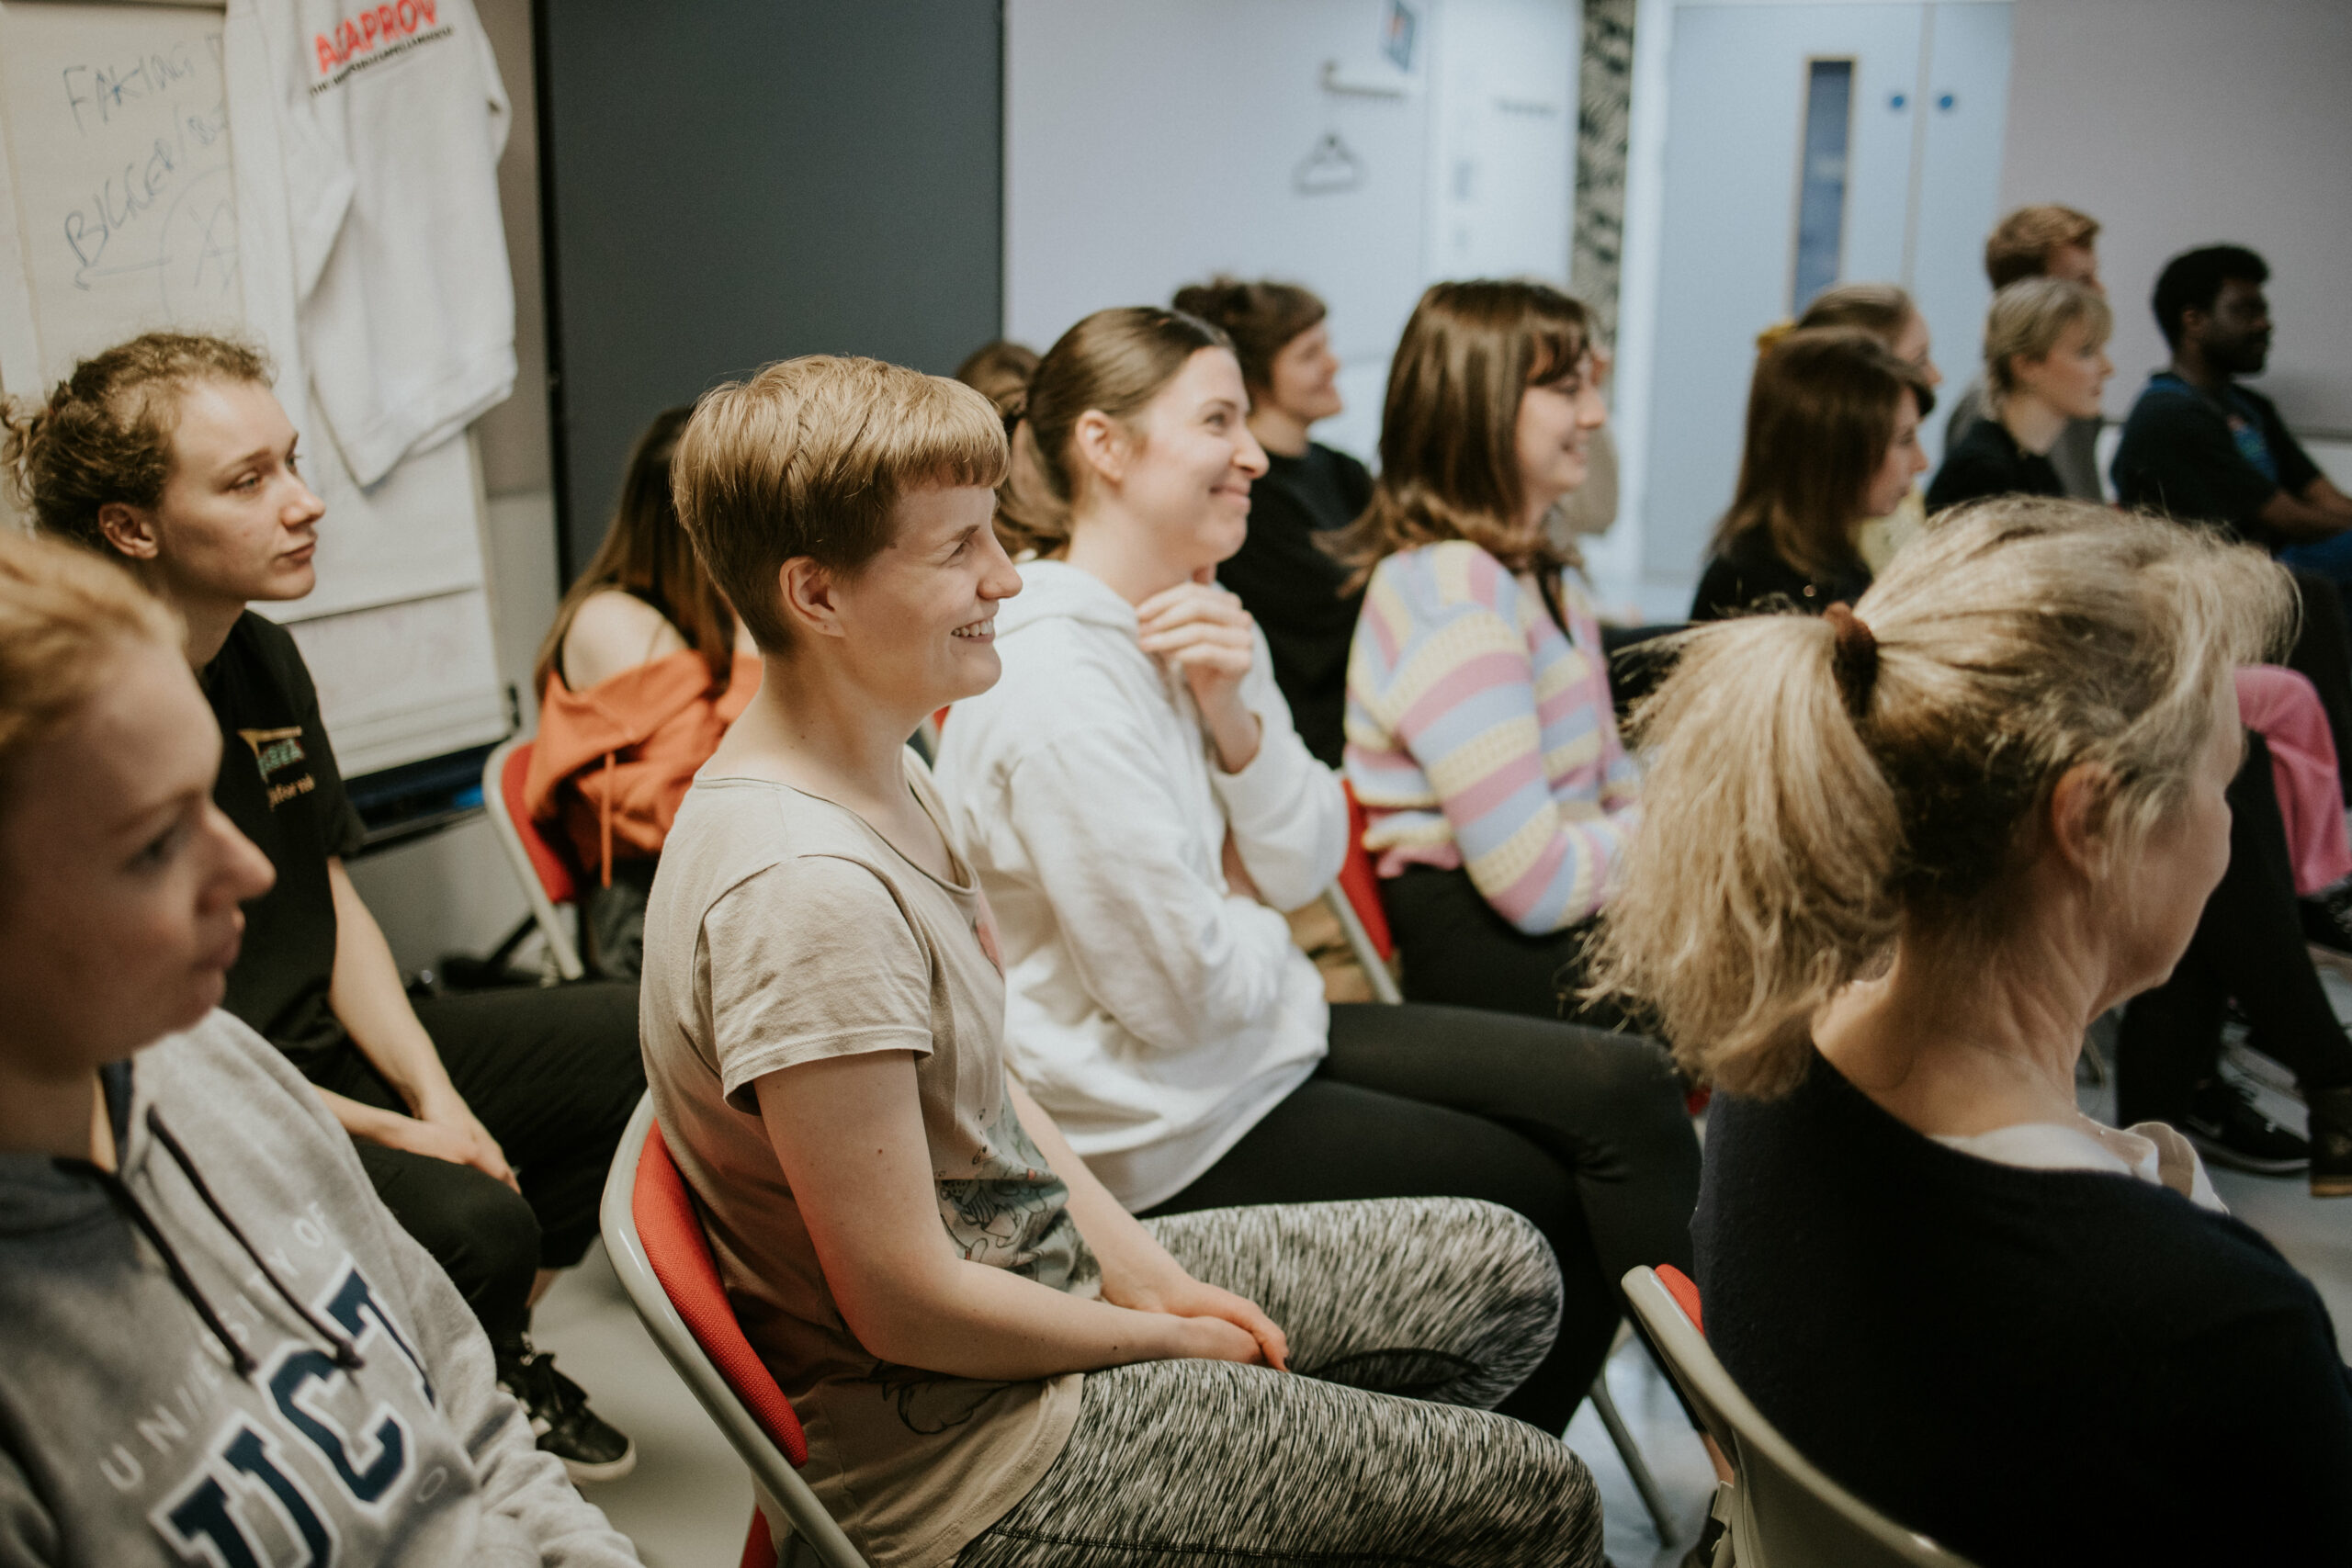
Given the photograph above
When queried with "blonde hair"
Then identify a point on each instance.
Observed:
(62, 610)
(809, 457)
(2021, 244)
(1113, 363)
(1800, 812)
(2025, 322)
(106, 432)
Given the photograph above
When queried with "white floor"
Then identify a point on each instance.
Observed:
(689, 1501)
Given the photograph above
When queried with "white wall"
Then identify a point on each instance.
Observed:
(1148, 146)
(2181, 122)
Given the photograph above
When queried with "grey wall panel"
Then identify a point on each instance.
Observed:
(733, 181)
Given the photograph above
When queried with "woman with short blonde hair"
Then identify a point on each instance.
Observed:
(2045, 364)
(1898, 858)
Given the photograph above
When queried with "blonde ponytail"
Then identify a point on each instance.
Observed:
(1760, 881)
(1796, 824)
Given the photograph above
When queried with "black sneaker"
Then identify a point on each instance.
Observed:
(590, 1448)
(2228, 1130)
(2327, 925)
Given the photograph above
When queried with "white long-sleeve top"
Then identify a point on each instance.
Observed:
(1153, 1011)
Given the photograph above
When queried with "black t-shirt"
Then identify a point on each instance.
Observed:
(1988, 461)
(1292, 587)
(2208, 460)
(1750, 576)
(278, 784)
(2057, 1367)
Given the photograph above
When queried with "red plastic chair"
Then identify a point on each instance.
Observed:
(1354, 902)
(541, 864)
(663, 1259)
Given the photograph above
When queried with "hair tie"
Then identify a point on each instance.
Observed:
(1854, 661)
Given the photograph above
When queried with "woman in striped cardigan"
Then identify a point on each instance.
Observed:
(1482, 738)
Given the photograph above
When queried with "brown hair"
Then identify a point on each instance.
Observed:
(1261, 318)
(1882, 309)
(1820, 415)
(2025, 322)
(1449, 465)
(1114, 362)
(106, 432)
(646, 552)
(1796, 820)
(999, 371)
(809, 457)
(62, 610)
(2021, 244)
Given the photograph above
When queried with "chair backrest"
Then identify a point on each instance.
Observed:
(666, 1264)
(1784, 1511)
(542, 865)
(1360, 883)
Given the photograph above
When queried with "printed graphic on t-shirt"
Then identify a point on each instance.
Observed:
(273, 751)
(2252, 445)
(374, 34)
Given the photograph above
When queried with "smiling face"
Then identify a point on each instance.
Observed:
(1556, 418)
(2072, 376)
(1903, 463)
(235, 522)
(1302, 377)
(119, 918)
(918, 620)
(1186, 466)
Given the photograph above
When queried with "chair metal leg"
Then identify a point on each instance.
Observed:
(1636, 1466)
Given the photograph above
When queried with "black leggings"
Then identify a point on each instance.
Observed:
(2249, 945)
(1582, 1133)
(1455, 950)
(553, 1075)
(2323, 654)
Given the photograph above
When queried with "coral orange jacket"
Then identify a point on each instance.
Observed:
(612, 764)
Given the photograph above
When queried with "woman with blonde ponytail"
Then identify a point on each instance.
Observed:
(1897, 858)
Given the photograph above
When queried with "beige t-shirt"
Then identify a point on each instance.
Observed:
(783, 929)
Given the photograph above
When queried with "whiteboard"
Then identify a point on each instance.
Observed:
(118, 215)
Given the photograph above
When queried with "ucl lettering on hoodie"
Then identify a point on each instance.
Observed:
(389, 120)
(226, 1352)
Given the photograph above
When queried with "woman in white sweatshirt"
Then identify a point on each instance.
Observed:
(1139, 809)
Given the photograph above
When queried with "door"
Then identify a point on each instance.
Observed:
(1798, 154)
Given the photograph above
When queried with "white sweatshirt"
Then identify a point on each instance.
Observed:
(1154, 1013)
(387, 122)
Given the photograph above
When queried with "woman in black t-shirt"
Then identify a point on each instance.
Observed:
(1281, 573)
(2045, 365)
(485, 1121)
(1833, 440)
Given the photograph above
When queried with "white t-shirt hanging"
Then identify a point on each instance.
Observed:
(389, 121)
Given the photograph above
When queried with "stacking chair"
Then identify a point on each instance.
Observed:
(543, 866)
(658, 1248)
(1779, 1510)
(1356, 899)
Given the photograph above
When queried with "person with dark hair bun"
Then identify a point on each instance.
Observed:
(1283, 578)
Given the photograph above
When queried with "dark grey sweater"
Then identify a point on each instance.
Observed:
(356, 1422)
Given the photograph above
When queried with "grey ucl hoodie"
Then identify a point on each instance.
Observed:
(228, 1352)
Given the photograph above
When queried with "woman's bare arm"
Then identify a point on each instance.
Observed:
(848, 1132)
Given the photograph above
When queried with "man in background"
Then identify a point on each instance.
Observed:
(2045, 240)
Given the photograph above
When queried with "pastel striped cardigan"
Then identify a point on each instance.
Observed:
(1479, 736)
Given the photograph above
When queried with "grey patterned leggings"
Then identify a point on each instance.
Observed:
(1409, 1318)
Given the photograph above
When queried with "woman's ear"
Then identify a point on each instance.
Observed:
(2078, 817)
(809, 593)
(1099, 441)
(130, 529)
